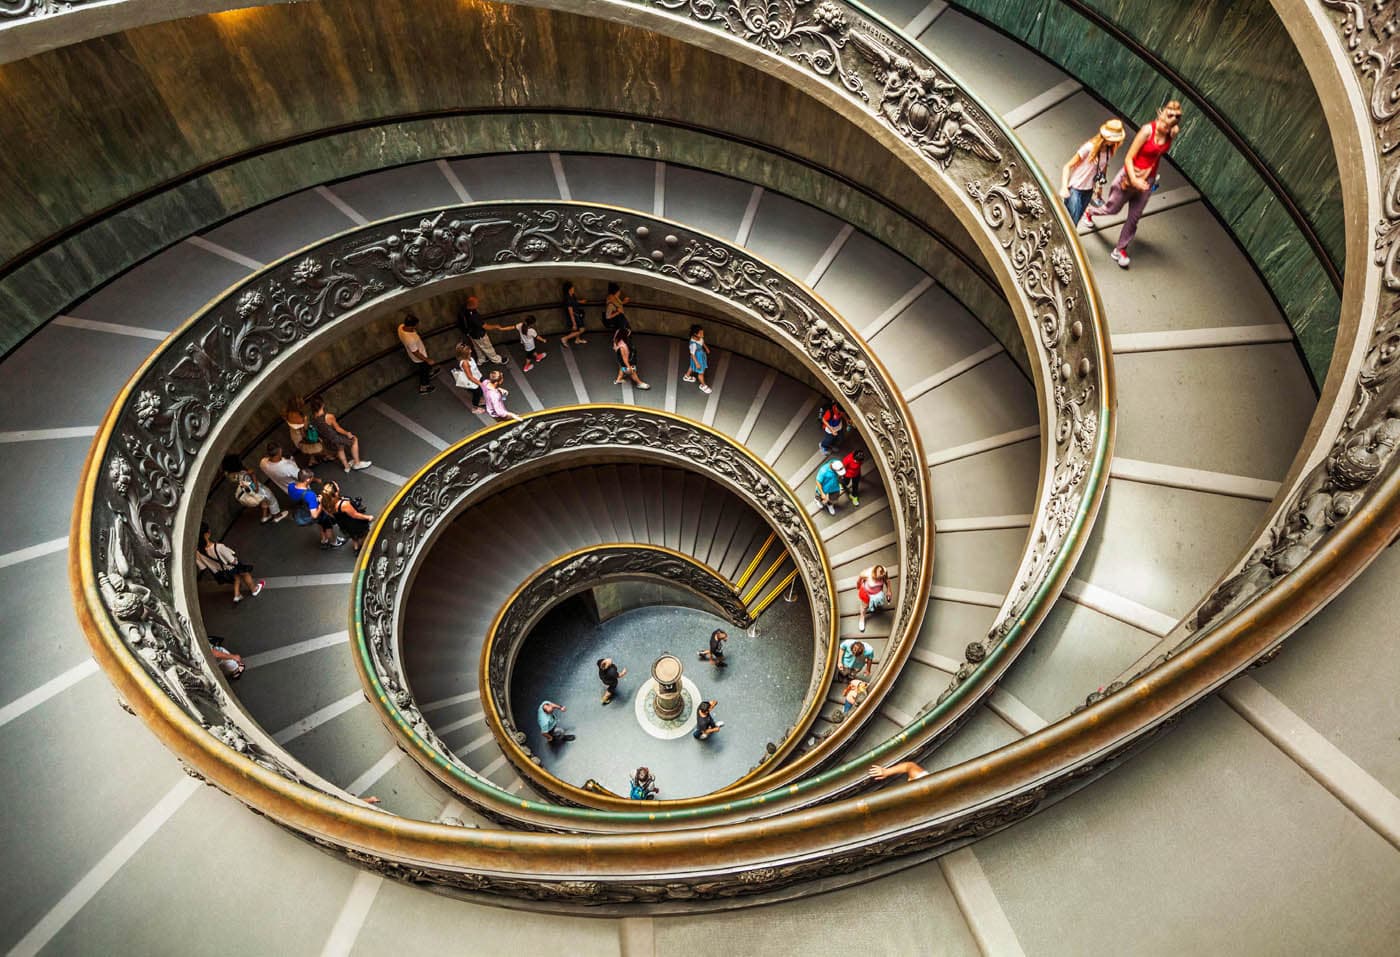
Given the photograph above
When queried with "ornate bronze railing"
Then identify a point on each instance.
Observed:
(179, 401)
(484, 464)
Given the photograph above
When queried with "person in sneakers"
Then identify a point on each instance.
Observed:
(873, 587)
(305, 494)
(222, 562)
(705, 723)
(850, 482)
(338, 441)
(249, 492)
(856, 660)
(829, 476)
(716, 653)
(494, 394)
(610, 674)
(626, 358)
(280, 469)
(413, 345)
(529, 341)
(699, 359)
(548, 718)
(1133, 185)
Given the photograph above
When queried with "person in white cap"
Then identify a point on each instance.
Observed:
(829, 477)
(1087, 169)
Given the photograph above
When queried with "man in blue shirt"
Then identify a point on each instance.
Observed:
(303, 495)
(856, 659)
(549, 722)
(829, 477)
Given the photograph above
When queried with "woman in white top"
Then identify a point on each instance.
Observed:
(222, 562)
(467, 376)
(413, 345)
(1087, 169)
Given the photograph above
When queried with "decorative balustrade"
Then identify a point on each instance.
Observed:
(484, 464)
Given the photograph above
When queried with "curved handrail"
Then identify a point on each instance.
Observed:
(947, 136)
(483, 464)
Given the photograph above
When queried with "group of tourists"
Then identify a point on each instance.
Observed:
(1090, 170)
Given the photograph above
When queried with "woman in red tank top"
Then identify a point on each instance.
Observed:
(1132, 187)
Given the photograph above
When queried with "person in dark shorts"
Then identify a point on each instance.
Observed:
(610, 675)
(705, 723)
(716, 653)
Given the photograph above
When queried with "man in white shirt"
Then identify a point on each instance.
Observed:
(279, 469)
(413, 345)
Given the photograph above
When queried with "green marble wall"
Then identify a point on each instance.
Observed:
(137, 139)
(1237, 54)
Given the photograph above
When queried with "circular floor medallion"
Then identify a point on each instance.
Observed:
(681, 724)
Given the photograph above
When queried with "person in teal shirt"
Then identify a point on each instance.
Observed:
(856, 658)
(829, 477)
(549, 722)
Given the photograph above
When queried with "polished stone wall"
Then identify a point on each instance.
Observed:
(1237, 55)
(133, 140)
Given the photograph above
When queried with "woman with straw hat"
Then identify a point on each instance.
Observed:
(1087, 169)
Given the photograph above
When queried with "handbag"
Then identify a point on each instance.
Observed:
(461, 380)
(246, 493)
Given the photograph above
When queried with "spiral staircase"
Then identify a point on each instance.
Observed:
(1032, 672)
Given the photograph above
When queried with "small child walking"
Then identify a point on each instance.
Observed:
(529, 341)
(699, 358)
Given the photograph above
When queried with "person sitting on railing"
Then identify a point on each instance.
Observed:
(705, 723)
(249, 492)
(856, 659)
(549, 722)
(494, 395)
(716, 653)
(610, 675)
(850, 482)
(281, 470)
(222, 562)
(339, 442)
(829, 476)
(909, 769)
(644, 785)
(873, 588)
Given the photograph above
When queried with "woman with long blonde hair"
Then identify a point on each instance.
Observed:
(1087, 169)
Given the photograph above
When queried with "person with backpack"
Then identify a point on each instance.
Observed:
(829, 476)
(833, 427)
(644, 785)
(348, 512)
(222, 562)
(249, 492)
(626, 358)
(339, 442)
(699, 358)
(615, 309)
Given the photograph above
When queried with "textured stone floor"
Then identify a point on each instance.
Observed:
(759, 694)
